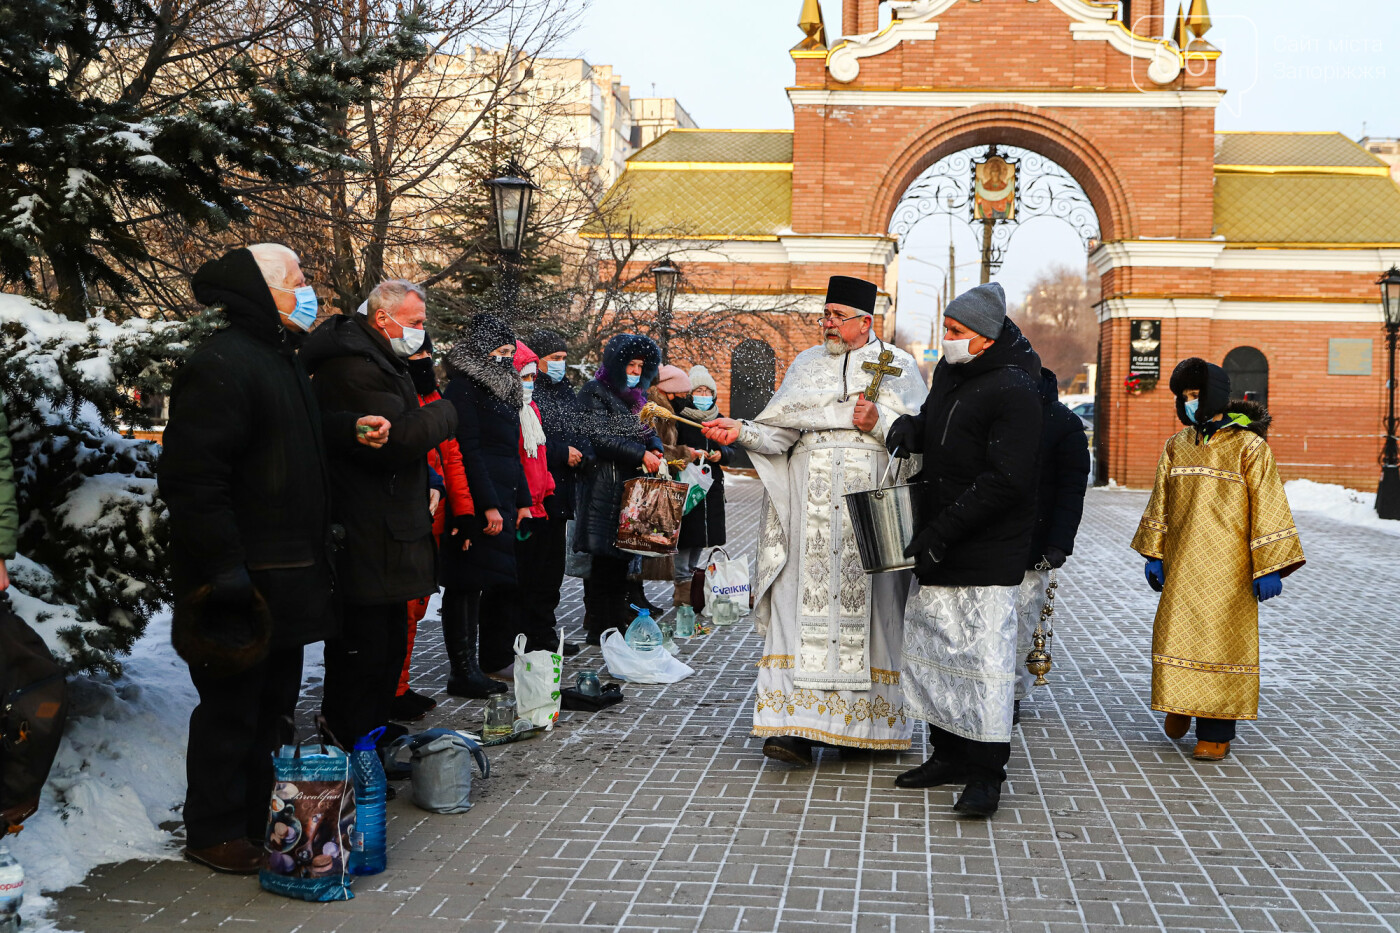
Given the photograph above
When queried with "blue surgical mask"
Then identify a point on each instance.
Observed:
(304, 314)
(529, 391)
(704, 402)
(632, 381)
(1191, 407)
(554, 369)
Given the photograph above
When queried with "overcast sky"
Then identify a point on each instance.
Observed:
(1287, 65)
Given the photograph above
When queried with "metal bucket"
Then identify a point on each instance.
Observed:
(884, 521)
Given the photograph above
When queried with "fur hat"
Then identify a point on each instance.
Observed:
(1210, 380)
(486, 332)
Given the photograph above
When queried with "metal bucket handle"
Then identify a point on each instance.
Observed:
(884, 480)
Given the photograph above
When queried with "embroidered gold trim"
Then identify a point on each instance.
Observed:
(879, 676)
(1207, 471)
(830, 703)
(818, 735)
(1208, 714)
(1205, 665)
(1154, 524)
(1279, 566)
(776, 661)
(1271, 538)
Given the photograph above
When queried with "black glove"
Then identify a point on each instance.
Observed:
(897, 439)
(927, 550)
(1055, 557)
(460, 531)
(231, 587)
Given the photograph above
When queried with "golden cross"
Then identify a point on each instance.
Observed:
(881, 370)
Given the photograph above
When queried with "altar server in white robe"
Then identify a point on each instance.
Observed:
(979, 432)
(830, 671)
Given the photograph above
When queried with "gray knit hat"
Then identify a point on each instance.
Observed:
(981, 309)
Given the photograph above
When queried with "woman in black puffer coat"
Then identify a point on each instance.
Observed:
(479, 550)
(623, 447)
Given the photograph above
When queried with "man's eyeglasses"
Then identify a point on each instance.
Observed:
(833, 318)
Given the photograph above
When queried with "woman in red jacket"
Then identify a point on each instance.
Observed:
(446, 461)
(501, 604)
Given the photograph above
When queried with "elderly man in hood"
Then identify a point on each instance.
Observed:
(979, 432)
(243, 472)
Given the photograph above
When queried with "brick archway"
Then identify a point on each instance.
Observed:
(1015, 126)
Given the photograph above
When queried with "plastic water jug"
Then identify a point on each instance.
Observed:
(643, 634)
(371, 821)
(11, 889)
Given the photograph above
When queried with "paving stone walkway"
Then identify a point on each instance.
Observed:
(661, 814)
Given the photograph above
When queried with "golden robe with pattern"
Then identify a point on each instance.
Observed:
(1218, 520)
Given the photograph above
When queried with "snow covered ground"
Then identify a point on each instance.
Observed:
(119, 775)
(1345, 505)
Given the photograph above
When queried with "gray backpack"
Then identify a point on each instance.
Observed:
(442, 768)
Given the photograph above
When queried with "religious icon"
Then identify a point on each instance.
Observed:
(994, 190)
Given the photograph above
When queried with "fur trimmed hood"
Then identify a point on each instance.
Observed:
(1257, 416)
(621, 350)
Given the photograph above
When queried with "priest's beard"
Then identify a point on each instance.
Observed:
(834, 344)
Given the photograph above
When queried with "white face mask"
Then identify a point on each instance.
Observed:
(529, 391)
(409, 343)
(956, 351)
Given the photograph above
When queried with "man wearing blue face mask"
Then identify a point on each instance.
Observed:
(243, 472)
(359, 362)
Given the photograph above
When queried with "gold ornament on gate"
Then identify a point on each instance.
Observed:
(1038, 659)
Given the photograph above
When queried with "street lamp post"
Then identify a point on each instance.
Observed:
(1388, 493)
(667, 275)
(511, 197)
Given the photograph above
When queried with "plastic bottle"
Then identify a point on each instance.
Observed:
(643, 634)
(371, 822)
(11, 889)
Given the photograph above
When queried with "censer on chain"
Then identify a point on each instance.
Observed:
(1038, 659)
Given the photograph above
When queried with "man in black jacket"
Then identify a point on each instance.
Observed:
(359, 362)
(569, 453)
(1064, 475)
(243, 473)
(979, 432)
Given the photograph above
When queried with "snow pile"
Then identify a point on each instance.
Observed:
(1338, 502)
(119, 774)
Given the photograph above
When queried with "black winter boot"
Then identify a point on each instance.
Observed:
(637, 596)
(466, 679)
(979, 798)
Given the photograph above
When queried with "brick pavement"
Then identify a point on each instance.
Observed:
(662, 815)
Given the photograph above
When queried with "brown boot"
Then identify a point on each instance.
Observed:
(1211, 751)
(1176, 725)
(235, 857)
(681, 597)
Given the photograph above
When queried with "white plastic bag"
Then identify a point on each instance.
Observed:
(725, 577)
(537, 674)
(698, 478)
(641, 667)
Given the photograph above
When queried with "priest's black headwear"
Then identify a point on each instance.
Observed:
(853, 292)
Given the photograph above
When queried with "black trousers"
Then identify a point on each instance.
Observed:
(984, 761)
(540, 561)
(363, 667)
(233, 732)
(499, 624)
(1214, 730)
(605, 594)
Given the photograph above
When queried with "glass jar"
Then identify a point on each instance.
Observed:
(726, 612)
(498, 719)
(685, 622)
(668, 636)
(588, 683)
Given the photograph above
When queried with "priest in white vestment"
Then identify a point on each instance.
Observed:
(830, 671)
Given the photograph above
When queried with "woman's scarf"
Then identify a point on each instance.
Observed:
(531, 431)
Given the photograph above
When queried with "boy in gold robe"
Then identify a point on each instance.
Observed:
(1219, 538)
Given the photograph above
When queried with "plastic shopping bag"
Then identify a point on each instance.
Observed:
(698, 478)
(641, 667)
(537, 676)
(725, 577)
(310, 822)
(650, 521)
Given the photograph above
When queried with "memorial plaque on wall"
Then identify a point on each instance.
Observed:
(1145, 355)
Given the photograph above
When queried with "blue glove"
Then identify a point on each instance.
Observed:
(1156, 576)
(1268, 586)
